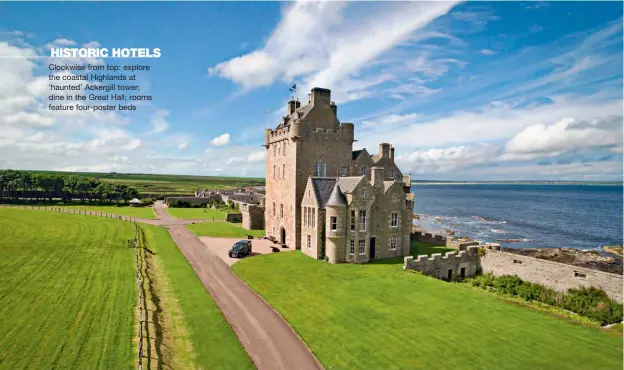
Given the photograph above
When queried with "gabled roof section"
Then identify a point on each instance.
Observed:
(355, 154)
(322, 189)
(388, 185)
(336, 198)
(347, 184)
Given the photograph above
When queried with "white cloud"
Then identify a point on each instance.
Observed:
(487, 52)
(566, 135)
(158, 121)
(392, 119)
(221, 140)
(257, 156)
(344, 43)
(491, 122)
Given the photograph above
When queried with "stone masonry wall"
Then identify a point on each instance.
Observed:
(442, 267)
(555, 275)
(253, 216)
(438, 240)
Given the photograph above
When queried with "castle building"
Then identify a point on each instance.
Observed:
(328, 200)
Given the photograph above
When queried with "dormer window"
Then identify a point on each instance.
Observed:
(320, 169)
(391, 173)
(363, 171)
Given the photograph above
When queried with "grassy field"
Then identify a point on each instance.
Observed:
(67, 291)
(198, 336)
(169, 184)
(223, 229)
(196, 213)
(377, 316)
(68, 299)
(138, 212)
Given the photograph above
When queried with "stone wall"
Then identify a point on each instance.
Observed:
(191, 200)
(461, 244)
(438, 240)
(555, 275)
(447, 267)
(233, 217)
(253, 216)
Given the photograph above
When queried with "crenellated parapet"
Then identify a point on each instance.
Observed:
(450, 266)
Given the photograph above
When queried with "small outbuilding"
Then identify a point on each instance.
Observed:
(135, 203)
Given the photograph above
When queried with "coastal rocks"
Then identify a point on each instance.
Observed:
(614, 249)
(589, 259)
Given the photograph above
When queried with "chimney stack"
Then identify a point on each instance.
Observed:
(292, 106)
(384, 150)
(334, 108)
(320, 96)
(377, 176)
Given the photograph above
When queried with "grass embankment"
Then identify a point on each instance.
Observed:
(196, 213)
(196, 334)
(67, 291)
(122, 210)
(223, 230)
(378, 316)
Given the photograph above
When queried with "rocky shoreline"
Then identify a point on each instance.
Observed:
(589, 259)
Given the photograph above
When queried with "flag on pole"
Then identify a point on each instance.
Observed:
(293, 88)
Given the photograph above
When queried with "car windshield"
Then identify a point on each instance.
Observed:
(238, 246)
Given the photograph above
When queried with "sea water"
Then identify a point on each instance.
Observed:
(574, 216)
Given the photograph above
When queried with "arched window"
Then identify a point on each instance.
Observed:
(320, 169)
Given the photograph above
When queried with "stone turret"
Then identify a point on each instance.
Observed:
(336, 209)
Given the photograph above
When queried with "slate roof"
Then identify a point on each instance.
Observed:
(347, 184)
(336, 198)
(355, 154)
(323, 187)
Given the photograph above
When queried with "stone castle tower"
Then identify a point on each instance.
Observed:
(308, 138)
(311, 148)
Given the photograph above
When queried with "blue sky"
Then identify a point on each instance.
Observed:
(466, 91)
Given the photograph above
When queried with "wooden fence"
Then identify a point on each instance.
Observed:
(139, 245)
(69, 210)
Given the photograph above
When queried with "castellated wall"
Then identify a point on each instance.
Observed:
(438, 240)
(555, 275)
(449, 266)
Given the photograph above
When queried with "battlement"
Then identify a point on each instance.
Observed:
(439, 240)
(452, 264)
(460, 243)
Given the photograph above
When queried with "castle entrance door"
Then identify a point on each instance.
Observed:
(372, 248)
(282, 236)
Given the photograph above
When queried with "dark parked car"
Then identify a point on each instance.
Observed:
(240, 249)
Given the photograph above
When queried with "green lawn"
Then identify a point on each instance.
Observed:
(214, 344)
(377, 316)
(223, 229)
(138, 212)
(67, 291)
(196, 213)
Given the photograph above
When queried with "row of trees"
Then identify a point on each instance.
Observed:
(16, 185)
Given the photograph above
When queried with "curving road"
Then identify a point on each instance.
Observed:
(271, 343)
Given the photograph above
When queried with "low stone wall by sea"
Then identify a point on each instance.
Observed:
(555, 275)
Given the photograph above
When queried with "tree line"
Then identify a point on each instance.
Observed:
(16, 185)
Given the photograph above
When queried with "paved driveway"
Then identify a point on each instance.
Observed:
(221, 246)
